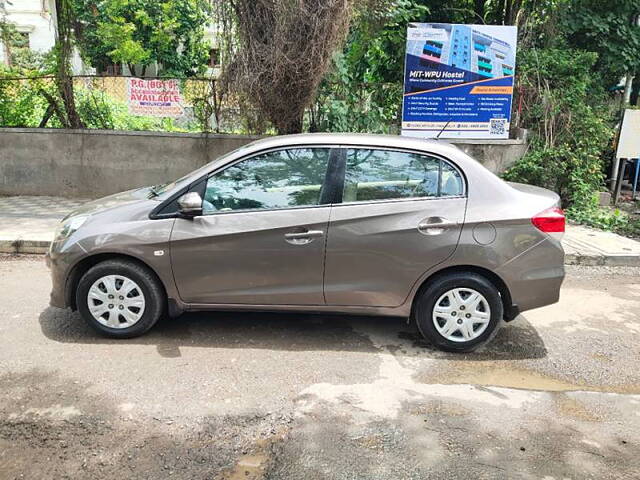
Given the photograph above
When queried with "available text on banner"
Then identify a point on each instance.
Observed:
(154, 98)
(461, 77)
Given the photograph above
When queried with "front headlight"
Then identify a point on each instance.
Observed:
(68, 226)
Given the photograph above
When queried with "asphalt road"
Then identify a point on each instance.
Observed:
(251, 396)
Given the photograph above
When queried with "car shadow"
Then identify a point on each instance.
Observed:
(291, 332)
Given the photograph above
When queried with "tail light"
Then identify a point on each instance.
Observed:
(550, 221)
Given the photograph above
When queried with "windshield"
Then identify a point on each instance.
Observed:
(162, 188)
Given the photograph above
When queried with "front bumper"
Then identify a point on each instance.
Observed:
(57, 297)
(60, 261)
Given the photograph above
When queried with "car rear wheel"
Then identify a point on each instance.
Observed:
(120, 299)
(459, 311)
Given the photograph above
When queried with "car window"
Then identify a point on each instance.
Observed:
(451, 181)
(159, 191)
(387, 174)
(279, 179)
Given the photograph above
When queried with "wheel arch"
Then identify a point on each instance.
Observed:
(510, 310)
(83, 266)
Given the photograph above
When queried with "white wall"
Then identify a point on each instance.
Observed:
(35, 18)
(32, 17)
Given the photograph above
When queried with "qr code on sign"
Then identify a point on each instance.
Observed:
(497, 126)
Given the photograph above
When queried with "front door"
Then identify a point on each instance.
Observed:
(401, 214)
(261, 238)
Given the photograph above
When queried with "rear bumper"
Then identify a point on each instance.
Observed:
(535, 277)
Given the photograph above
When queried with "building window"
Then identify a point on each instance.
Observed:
(16, 50)
(113, 70)
(214, 57)
(20, 40)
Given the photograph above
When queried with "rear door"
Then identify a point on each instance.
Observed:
(261, 238)
(401, 214)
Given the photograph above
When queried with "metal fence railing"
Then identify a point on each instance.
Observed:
(188, 105)
(117, 102)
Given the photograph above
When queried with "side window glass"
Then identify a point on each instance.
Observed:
(451, 182)
(385, 174)
(280, 179)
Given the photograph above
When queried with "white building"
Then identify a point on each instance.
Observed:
(33, 20)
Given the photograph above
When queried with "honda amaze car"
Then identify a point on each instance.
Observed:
(353, 224)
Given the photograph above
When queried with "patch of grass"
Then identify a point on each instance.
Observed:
(623, 219)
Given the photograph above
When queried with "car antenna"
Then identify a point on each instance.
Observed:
(443, 129)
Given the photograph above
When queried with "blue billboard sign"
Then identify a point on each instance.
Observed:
(458, 80)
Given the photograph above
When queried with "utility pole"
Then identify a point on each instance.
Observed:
(628, 83)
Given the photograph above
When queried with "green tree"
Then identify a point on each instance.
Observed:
(363, 90)
(143, 33)
(609, 29)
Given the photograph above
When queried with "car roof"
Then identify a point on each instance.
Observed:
(360, 139)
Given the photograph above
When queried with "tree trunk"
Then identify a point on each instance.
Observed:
(7, 52)
(293, 126)
(51, 109)
(64, 80)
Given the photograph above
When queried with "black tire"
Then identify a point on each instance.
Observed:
(428, 297)
(154, 295)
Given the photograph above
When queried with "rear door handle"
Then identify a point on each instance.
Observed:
(435, 225)
(301, 238)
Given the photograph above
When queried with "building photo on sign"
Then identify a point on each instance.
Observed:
(154, 98)
(458, 80)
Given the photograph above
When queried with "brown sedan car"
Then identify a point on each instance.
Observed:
(355, 224)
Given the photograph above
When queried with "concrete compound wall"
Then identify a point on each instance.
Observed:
(95, 163)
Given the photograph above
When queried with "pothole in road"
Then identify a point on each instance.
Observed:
(490, 374)
(254, 465)
(249, 467)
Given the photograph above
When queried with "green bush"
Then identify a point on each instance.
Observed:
(342, 107)
(569, 121)
(21, 103)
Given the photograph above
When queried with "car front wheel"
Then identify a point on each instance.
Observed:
(459, 311)
(120, 299)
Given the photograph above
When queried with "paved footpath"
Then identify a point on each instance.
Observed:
(27, 225)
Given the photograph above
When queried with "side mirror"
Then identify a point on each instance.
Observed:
(190, 204)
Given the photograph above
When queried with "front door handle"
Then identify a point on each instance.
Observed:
(302, 238)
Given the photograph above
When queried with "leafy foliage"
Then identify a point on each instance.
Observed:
(21, 103)
(608, 28)
(142, 32)
(363, 91)
(569, 125)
